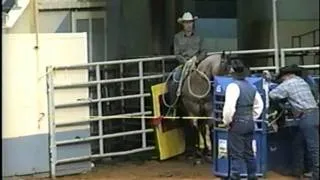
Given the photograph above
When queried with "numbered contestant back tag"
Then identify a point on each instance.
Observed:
(222, 149)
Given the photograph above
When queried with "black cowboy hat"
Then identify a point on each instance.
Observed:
(292, 69)
(240, 71)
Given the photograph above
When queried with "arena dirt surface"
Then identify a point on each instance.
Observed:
(150, 170)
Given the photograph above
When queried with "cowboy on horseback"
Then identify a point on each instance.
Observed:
(188, 48)
(189, 87)
(186, 43)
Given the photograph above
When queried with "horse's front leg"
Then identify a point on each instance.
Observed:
(206, 139)
(197, 146)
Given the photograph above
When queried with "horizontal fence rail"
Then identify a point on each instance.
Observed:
(302, 49)
(143, 115)
(94, 83)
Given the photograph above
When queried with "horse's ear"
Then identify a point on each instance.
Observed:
(223, 55)
(226, 56)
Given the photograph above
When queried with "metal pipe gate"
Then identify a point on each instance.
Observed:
(52, 106)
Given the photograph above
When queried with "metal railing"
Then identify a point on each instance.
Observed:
(52, 106)
(98, 82)
(299, 38)
(255, 51)
(304, 49)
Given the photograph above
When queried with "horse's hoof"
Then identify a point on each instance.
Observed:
(208, 159)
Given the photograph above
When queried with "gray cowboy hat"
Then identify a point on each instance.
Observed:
(187, 16)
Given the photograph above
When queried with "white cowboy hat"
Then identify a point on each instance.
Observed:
(187, 16)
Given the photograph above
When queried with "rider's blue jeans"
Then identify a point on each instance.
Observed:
(177, 73)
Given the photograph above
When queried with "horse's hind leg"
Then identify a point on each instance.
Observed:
(207, 141)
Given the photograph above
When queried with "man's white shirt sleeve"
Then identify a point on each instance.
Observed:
(257, 106)
(231, 97)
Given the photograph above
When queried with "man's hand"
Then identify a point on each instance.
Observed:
(193, 59)
(181, 59)
(223, 125)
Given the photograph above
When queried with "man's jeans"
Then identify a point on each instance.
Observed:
(240, 149)
(308, 135)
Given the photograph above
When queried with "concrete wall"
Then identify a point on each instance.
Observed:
(25, 130)
(255, 29)
(129, 29)
(218, 34)
(255, 21)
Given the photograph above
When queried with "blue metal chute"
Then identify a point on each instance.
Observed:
(221, 83)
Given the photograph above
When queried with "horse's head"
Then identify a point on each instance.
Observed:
(216, 64)
(225, 64)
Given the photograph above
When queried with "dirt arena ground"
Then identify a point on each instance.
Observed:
(150, 170)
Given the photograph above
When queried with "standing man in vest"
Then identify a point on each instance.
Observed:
(299, 95)
(243, 105)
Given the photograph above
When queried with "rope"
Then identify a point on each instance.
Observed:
(96, 118)
(208, 81)
(189, 66)
(150, 117)
(163, 97)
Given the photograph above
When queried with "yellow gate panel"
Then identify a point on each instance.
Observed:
(169, 134)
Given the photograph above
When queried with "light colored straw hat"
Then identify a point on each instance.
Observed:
(187, 16)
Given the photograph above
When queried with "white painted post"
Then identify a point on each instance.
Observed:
(275, 34)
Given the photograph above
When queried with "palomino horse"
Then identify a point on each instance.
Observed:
(196, 99)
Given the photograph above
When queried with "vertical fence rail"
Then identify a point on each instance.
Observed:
(142, 106)
(275, 34)
(98, 78)
(163, 65)
(283, 60)
(52, 125)
(122, 101)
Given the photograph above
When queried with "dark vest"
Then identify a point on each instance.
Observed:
(243, 116)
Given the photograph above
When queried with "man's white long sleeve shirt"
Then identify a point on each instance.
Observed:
(231, 98)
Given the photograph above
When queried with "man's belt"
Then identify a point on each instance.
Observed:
(299, 113)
